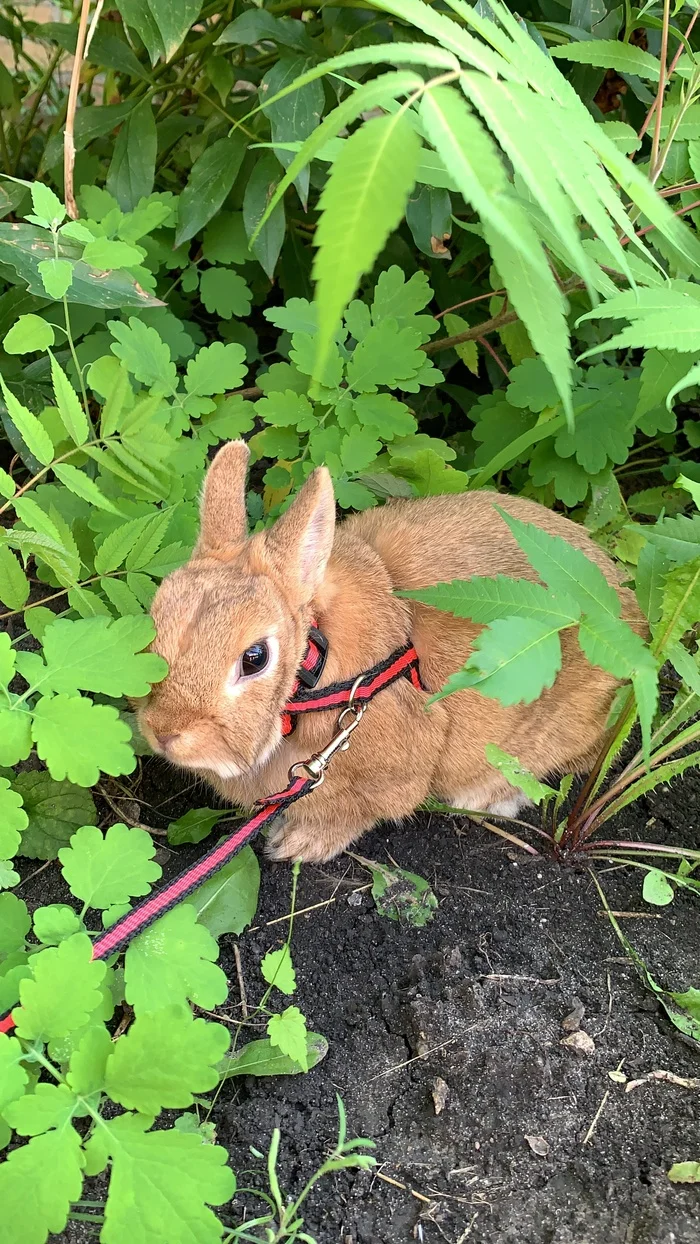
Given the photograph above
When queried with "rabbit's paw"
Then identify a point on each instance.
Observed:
(309, 843)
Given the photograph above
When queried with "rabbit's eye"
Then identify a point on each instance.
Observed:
(254, 659)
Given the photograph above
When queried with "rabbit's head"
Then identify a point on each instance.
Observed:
(233, 622)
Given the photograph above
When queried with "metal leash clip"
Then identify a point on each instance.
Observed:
(317, 765)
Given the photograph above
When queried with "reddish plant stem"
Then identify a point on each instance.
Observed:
(494, 355)
(671, 68)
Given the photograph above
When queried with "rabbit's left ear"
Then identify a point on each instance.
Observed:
(223, 514)
(301, 540)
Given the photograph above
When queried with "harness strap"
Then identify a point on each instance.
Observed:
(401, 664)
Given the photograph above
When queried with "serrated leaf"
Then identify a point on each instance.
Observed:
(13, 819)
(208, 185)
(33, 433)
(72, 414)
(29, 333)
(83, 486)
(287, 409)
(387, 355)
(55, 923)
(76, 739)
(88, 1061)
(56, 276)
(678, 539)
(62, 992)
(680, 603)
(99, 654)
(685, 1173)
(144, 354)
(564, 568)
(216, 368)
(363, 201)
(162, 1184)
(278, 970)
(227, 902)
(661, 371)
(47, 205)
(117, 546)
(484, 600)
(173, 961)
(224, 293)
(13, 1076)
(611, 54)
(518, 776)
(164, 1059)
(262, 1058)
(48, 1106)
(15, 923)
(55, 810)
(288, 1032)
(15, 736)
(385, 415)
(38, 1183)
(14, 584)
(513, 661)
(104, 870)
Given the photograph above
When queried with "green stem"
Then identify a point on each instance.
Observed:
(40, 92)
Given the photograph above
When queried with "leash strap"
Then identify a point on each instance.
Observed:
(350, 695)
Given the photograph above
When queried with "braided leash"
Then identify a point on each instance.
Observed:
(352, 697)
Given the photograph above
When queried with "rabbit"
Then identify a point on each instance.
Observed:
(233, 623)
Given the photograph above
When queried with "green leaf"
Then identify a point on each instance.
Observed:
(678, 539)
(264, 239)
(661, 371)
(13, 819)
(76, 739)
(137, 536)
(88, 1061)
(161, 27)
(262, 1058)
(685, 1173)
(29, 333)
(295, 116)
(109, 253)
(564, 568)
(513, 661)
(55, 923)
(162, 1184)
(387, 355)
(227, 902)
(47, 206)
(13, 1076)
(484, 600)
(363, 201)
(278, 970)
(601, 433)
(401, 895)
(72, 414)
(224, 293)
(164, 1059)
(657, 889)
(38, 1183)
(133, 165)
(208, 185)
(104, 870)
(225, 240)
(288, 1032)
(358, 450)
(287, 409)
(62, 992)
(33, 433)
(216, 368)
(518, 776)
(194, 825)
(144, 354)
(14, 584)
(15, 736)
(55, 810)
(680, 605)
(14, 923)
(385, 415)
(173, 961)
(689, 378)
(83, 486)
(56, 276)
(611, 54)
(531, 386)
(50, 1105)
(100, 654)
(23, 246)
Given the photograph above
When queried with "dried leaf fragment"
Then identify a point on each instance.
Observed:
(580, 1042)
(440, 1091)
(539, 1145)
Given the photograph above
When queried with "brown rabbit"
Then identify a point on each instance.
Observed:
(233, 626)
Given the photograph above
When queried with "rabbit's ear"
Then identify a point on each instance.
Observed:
(301, 540)
(223, 514)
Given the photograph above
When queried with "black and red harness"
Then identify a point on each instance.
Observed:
(351, 698)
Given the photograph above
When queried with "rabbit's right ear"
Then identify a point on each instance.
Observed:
(224, 521)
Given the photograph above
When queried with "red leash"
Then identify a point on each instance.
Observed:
(352, 697)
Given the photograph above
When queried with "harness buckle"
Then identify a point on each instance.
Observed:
(317, 765)
(309, 678)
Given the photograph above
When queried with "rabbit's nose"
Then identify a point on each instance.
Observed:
(165, 739)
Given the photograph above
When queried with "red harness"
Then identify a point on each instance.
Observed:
(306, 697)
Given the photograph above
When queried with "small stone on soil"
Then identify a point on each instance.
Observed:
(539, 1145)
(579, 1041)
(440, 1091)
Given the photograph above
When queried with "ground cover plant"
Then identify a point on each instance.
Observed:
(427, 245)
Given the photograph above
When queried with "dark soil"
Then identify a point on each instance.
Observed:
(476, 1000)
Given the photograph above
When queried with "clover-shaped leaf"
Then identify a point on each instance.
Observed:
(111, 868)
(164, 1058)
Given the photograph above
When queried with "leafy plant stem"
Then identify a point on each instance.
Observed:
(35, 479)
(674, 62)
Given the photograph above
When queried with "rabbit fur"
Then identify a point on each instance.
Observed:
(237, 590)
